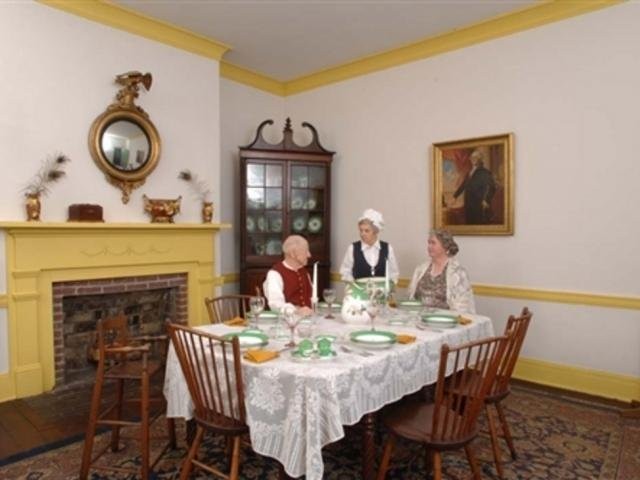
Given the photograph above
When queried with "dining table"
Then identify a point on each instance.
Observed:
(296, 405)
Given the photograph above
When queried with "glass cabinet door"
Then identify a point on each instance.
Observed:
(264, 208)
(307, 203)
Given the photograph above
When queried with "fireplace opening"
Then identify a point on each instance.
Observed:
(146, 301)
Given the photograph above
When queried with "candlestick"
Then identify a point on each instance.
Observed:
(386, 276)
(314, 291)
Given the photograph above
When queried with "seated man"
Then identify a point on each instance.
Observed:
(288, 282)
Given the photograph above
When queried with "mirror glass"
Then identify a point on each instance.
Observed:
(125, 145)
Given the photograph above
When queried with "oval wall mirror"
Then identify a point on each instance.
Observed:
(123, 141)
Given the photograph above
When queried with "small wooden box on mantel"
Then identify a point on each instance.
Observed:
(84, 212)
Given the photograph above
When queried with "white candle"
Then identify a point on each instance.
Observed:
(386, 276)
(314, 293)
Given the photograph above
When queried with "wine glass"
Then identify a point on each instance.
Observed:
(428, 301)
(291, 318)
(329, 295)
(256, 304)
(373, 308)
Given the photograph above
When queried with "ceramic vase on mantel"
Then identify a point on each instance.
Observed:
(33, 206)
(207, 212)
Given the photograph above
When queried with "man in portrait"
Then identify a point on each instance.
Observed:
(478, 186)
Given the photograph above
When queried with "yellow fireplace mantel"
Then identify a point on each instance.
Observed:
(39, 254)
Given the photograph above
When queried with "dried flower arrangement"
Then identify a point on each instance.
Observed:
(50, 171)
(198, 187)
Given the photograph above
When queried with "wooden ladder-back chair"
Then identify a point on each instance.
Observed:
(516, 328)
(125, 360)
(227, 307)
(450, 423)
(212, 369)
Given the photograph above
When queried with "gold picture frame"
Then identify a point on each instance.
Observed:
(473, 185)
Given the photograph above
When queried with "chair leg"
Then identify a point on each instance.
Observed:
(386, 457)
(235, 459)
(494, 441)
(505, 430)
(115, 430)
(91, 427)
(187, 465)
(472, 462)
(437, 465)
(144, 426)
(171, 428)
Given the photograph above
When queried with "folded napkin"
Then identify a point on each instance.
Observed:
(404, 338)
(464, 320)
(259, 356)
(236, 322)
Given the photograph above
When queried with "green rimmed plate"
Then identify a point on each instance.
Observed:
(373, 338)
(267, 317)
(440, 320)
(249, 339)
(410, 305)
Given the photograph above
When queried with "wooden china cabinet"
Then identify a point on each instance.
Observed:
(285, 189)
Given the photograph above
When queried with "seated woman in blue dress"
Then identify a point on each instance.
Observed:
(368, 256)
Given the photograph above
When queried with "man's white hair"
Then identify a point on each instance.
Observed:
(293, 242)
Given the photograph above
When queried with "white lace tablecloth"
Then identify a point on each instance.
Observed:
(295, 408)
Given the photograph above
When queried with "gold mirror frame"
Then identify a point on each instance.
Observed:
(124, 109)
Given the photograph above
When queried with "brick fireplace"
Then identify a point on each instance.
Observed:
(93, 258)
(147, 301)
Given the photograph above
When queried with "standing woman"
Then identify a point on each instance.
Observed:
(367, 257)
(442, 282)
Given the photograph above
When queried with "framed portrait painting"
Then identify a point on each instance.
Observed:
(473, 185)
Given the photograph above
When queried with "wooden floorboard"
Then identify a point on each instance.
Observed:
(34, 422)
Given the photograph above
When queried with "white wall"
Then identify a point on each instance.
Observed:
(569, 92)
(242, 109)
(58, 75)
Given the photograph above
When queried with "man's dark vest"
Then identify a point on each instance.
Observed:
(361, 268)
(297, 286)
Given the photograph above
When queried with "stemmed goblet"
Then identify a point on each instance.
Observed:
(373, 306)
(292, 319)
(428, 301)
(256, 304)
(329, 295)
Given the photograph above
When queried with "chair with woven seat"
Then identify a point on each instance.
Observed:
(517, 329)
(227, 307)
(450, 423)
(124, 360)
(213, 372)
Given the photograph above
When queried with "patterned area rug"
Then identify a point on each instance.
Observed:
(556, 438)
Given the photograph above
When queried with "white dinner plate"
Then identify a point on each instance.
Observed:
(440, 320)
(373, 338)
(249, 339)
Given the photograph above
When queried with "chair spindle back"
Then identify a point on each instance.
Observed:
(517, 329)
(227, 307)
(455, 415)
(213, 372)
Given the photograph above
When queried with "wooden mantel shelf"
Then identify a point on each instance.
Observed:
(111, 226)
